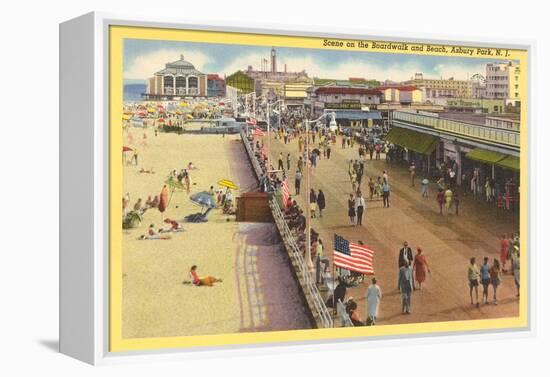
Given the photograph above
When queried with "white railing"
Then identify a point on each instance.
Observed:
(304, 275)
(461, 128)
(307, 279)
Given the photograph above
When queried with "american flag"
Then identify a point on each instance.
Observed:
(352, 256)
(285, 191)
(257, 132)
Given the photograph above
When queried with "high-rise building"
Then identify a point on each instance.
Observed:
(503, 81)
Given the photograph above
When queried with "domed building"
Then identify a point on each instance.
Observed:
(177, 79)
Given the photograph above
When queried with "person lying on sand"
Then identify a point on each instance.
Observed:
(153, 235)
(173, 226)
(144, 171)
(198, 281)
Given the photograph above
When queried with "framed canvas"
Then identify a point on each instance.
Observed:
(224, 188)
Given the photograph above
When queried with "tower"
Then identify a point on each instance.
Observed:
(273, 60)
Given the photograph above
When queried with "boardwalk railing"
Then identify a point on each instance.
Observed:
(313, 296)
(493, 134)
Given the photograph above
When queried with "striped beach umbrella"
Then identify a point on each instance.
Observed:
(228, 183)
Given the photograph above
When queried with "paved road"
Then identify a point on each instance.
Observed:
(448, 241)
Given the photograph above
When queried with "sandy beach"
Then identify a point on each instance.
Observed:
(258, 291)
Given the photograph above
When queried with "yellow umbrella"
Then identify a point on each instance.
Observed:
(151, 110)
(126, 117)
(189, 116)
(183, 104)
(228, 183)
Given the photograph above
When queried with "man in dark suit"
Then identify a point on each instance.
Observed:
(405, 254)
(406, 258)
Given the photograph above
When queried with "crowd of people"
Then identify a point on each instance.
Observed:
(413, 268)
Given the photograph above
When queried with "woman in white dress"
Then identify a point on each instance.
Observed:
(374, 295)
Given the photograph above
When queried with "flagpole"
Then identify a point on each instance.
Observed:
(334, 282)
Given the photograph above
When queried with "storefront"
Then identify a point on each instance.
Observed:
(413, 146)
(499, 170)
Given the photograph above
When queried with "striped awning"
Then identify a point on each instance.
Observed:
(412, 140)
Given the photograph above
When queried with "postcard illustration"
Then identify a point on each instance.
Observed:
(269, 188)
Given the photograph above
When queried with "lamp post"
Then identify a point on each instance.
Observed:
(309, 262)
(268, 116)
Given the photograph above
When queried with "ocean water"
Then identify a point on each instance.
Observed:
(132, 92)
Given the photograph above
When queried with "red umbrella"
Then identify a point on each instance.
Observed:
(126, 149)
(161, 120)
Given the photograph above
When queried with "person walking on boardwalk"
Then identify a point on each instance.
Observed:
(281, 165)
(313, 203)
(424, 187)
(473, 279)
(373, 296)
(297, 181)
(386, 193)
(351, 209)
(496, 278)
(321, 202)
(448, 199)
(300, 164)
(328, 151)
(371, 188)
(504, 247)
(412, 172)
(440, 200)
(405, 285)
(300, 144)
(485, 279)
(420, 266)
(456, 201)
(288, 161)
(359, 207)
(515, 269)
(353, 180)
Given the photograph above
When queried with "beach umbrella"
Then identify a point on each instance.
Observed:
(425, 181)
(203, 199)
(183, 104)
(189, 116)
(126, 117)
(126, 149)
(160, 120)
(228, 183)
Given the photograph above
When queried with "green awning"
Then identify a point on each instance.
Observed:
(484, 155)
(509, 162)
(412, 140)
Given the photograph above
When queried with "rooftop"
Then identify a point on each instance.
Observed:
(180, 66)
(346, 90)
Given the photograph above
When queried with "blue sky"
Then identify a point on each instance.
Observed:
(142, 58)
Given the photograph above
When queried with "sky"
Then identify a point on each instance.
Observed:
(142, 58)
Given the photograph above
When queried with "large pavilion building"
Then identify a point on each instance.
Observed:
(177, 79)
